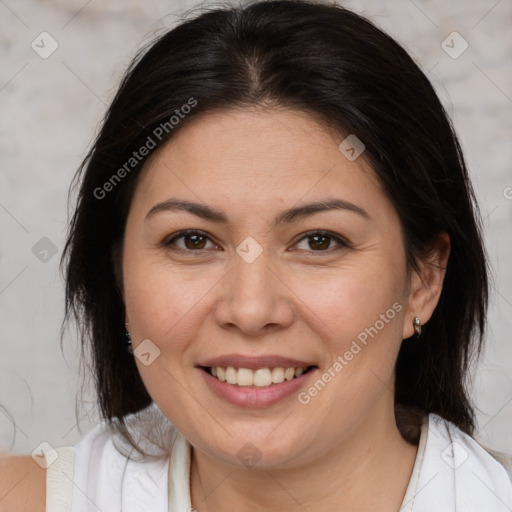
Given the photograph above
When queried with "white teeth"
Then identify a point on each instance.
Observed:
(277, 375)
(231, 375)
(289, 373)
(244, 377)
(262, 377)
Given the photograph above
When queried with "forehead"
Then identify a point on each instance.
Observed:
(255, 158)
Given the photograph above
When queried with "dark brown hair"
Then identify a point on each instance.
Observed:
(324, 60)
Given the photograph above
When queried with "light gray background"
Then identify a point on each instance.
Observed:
(50, 110)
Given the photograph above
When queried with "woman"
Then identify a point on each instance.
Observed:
(276, 262)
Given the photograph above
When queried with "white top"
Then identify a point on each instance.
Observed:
(451, 472)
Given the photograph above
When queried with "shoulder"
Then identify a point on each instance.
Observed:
(458, 473)
(504, 458)
(22, 484)
(460, 447)
(26, 485)
(116, 477)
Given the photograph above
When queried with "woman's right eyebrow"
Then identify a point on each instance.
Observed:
(293, 214)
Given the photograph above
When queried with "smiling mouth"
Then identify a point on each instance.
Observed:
(260, 378)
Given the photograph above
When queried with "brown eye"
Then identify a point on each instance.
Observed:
(192, 240)
(319, 241)
(196, 241)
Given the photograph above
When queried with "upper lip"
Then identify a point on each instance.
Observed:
(255, 362)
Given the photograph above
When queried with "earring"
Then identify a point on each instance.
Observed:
(417, 327)
(129, 347)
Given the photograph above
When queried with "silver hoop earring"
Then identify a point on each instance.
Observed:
(417, 327)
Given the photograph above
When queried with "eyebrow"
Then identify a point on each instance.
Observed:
(288, 216)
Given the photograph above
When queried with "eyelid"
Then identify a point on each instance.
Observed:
(186, 232)
(342, 242)
(322, 232)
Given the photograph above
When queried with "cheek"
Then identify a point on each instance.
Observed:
(358, 314)
(165, 302)
(350, 299)
(167, 309)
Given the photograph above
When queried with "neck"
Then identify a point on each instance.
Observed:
(369, 470)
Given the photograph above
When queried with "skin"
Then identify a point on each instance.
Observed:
(296, 299)
(22, 484)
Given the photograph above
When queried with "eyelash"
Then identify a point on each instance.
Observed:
(188, 232)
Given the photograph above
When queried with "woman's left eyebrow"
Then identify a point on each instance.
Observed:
(293, 214)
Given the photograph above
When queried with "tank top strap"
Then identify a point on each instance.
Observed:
(59, 481)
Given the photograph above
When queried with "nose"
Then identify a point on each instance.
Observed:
(254, 298)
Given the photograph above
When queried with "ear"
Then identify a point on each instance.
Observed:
(426, 284)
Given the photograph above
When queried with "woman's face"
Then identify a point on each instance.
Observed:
(253, 287)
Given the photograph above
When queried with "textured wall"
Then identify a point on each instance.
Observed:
(50, 108)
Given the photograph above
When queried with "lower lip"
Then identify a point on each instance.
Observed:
(254, 396)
